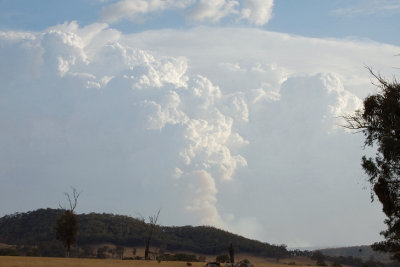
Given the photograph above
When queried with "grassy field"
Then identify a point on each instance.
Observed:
(6, 261)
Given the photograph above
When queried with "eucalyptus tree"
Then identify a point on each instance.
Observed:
(379, 121)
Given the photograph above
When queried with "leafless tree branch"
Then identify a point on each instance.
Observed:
(72, 200)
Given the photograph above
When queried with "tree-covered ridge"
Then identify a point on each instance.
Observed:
(29, 228)
(35, 227)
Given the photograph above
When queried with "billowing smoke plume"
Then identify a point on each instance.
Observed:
(243, 139)
(92, 90)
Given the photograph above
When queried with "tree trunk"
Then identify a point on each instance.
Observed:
(231, 253)
(68, 250)
(146, 251)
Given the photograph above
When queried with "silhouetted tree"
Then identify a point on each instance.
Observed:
(152, 225)
(379, 121)
(67, 223)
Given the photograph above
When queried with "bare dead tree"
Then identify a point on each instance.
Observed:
(67, 223)
(72, 200)
(152, 225)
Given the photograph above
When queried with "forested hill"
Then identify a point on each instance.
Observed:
(36, 227)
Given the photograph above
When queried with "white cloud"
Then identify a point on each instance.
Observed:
(257, 12)
(213, 10)
(269, 58)
(134, 9)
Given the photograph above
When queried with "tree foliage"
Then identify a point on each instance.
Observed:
(379, 121)
(66, 229)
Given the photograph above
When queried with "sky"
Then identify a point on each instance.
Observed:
(223, 113)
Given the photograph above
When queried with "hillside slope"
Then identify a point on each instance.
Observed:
(37, 227)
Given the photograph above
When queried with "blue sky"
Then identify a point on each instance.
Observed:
(336, 19)
(218, 112)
